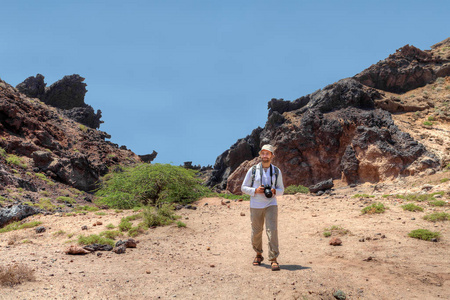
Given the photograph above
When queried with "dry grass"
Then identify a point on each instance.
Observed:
(15, 274)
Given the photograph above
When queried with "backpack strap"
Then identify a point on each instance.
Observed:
(276, 175)
(277, 171)
(253, 174)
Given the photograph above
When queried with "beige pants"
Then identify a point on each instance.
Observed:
(270, 216)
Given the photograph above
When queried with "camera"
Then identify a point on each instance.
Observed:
(268, 191)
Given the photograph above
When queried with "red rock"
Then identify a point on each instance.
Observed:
(335, 241)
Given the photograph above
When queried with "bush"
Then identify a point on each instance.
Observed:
(424, 234)
(428, 123)
(17, 226)
(110, 226)
(419, 197)
(180, 224)
(2, 152)
(137, 230)
(363, 196)
(62, 199)
(443, 180)
(437, 216)
(294, 189)
(412, 207)
(158, 217)
(15, 160)
(150, 184)
(125, 225)
(375, 208)
(111, 234)
(339, 230)
(228, 196)
(438, 203)
(94, 239)
(15, 274)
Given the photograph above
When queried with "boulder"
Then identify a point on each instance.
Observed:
(322, 186)
(66, 93)
(33, 87)
(16, 213)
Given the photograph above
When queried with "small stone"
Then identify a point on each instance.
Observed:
(99, 223)
(148, 272)
(242, 214)
(119, 250)
(368, 259)
(335, 241)
(361, 240)
(84, 227)
(40, 229)
(340, 295)
(99, 254)
(413, 219)
(208, 248)
(434, 239)
(212, 266)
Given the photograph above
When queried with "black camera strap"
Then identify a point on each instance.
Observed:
(261, 174)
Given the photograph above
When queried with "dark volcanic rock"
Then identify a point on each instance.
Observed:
(45, 141)
(85, 115)
(148, 158)
(338, 134)
(66, 93)
(322, 186)
(407, 69)
(16, 213)
(33, 87)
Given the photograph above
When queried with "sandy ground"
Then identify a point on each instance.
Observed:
(212, 257)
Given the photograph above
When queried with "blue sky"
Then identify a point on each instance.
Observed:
(189, 78)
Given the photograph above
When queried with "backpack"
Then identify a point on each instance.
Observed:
(276, 174)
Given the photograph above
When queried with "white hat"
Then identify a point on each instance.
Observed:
(267, 147)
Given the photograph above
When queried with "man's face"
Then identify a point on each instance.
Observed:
(266, 156)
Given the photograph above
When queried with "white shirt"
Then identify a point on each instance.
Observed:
(260, 200)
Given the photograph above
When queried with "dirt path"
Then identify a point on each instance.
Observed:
(211, 258)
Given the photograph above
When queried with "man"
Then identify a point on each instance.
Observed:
(263, 207)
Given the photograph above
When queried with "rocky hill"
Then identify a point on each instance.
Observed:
(49, 147)
(390, 120)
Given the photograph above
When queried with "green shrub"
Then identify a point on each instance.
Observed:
(100, 213)
(136, 230)
(46, 204)
(15, 160)
(62, 199)
(412, 207)
(443, 180)
(83, 128)
(294, 189)
(229, 196)
(437, 216)
(125, 225)
(419, 197)
(158, 217)
(438, 203)
(80, 208)
(59, 232)
(375, 208)
(363, 196)
(431, 118)
(2, 152)
(94, 239)
(111, 234)
(17, 226)
(110, 226)
(335, 229)
(180, 224)
(424, 234)
(150, 184)
(428, 123)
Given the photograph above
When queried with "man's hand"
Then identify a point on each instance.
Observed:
(274, 192)
(259, 190)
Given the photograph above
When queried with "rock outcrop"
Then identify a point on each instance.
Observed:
(66, 94)
(343, 131)
(405, 70)
(16, 213)
(37, 138)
